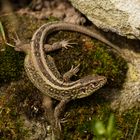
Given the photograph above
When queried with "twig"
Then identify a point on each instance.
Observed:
(135, 129)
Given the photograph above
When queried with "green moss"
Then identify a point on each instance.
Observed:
(127, 124)
(11, 62)
(15, 102)
(81, 116)
(11, 65)
(109, 65)
(79, 124)
(11, 125)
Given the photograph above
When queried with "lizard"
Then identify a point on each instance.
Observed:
(43, 73)
(40, 71)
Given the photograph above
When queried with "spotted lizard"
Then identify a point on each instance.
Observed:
(42, 71)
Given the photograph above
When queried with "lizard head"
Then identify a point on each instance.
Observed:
(89, 84)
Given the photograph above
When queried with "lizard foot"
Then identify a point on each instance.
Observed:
(70, 73)
(19, 45)
(58, 45)
(66, 43)
(16, 40)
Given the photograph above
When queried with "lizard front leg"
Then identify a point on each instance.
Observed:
(70, 73)
(57, 45)
(66, 77)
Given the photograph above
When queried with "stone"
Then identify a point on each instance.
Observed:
(122, 17)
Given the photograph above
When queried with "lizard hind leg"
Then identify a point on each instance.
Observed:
(19, 45)
(17, 41)
(59, 110)
(53, 67)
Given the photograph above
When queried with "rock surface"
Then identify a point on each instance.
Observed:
(122, 17)
(130, 93)
(59, 9)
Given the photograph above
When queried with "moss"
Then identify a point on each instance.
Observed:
(16, 101)
(79, 124)
(11, 65)
(11, 124)
(11, 62)
(82, 114)
(127, 123)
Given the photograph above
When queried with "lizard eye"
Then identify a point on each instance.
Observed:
(93, 85)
